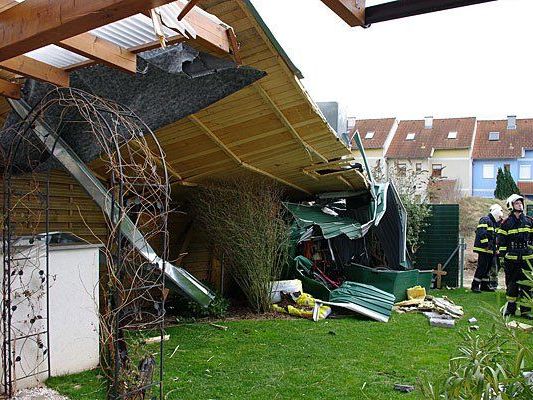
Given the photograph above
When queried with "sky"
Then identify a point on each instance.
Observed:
(470, 61)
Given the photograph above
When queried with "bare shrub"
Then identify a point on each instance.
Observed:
(244, 220)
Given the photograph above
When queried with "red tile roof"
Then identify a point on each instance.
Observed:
(525, 187)
(428, 139)
(381, 128)
(509, 145)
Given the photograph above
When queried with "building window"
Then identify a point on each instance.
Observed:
(410, 136)
(452, 135)
(525, 172)
(507, 167)
(418, 166)
(369, 135)
(436, 170)
(494, 136)
(402, 168)
(488, 171)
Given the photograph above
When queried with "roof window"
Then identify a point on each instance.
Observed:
(452, 135)
(410, 136)
(369, 135)
(494, 136)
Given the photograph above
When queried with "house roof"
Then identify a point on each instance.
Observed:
(381, 128)
(427, 140)
(510, 143)
(525, 187)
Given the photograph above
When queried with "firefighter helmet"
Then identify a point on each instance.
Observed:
(497, 211)
(512, 199)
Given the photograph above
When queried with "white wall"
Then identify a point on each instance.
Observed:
(74, 325)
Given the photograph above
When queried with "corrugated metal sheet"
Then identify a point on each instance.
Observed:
(56, 56)
(330, 225)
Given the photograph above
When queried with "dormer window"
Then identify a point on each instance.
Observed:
(494, 136)
(410, 136)
(369, 135)
(452, 135)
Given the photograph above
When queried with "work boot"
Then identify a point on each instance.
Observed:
(493, 285)
(485, 287)
(525, 313)
(476, 286)
(509, 309)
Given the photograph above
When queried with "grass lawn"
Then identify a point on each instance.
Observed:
(300, 359)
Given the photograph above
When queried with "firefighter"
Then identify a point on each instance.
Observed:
(516, 253)
(485, 247)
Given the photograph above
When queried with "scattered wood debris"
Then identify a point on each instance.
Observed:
(156, 339)
(440, 311)
(520, 325)
(221, 327)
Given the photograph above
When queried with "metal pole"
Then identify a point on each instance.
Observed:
(462, 248)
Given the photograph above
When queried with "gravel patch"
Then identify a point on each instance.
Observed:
(38, 394)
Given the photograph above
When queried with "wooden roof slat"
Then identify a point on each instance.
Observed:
(32, 68)
(232, 155)
(101, 50)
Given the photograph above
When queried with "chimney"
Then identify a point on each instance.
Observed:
(511, 122)
(428, 122)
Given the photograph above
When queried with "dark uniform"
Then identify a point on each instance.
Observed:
(485, 247)
(516, 253)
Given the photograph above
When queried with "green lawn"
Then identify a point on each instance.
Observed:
(293, 359)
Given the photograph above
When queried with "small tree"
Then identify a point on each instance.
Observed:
(412, 188)
(505, 185)
(501, 190)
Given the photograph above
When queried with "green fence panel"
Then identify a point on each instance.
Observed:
(440, 240)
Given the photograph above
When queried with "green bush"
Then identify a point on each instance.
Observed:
(505, 185)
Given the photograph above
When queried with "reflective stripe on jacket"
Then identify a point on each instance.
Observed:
(515, 238)
(485, 241)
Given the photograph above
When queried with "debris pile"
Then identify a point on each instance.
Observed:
(440, 311)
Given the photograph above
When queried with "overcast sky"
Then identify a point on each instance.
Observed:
(470, 61)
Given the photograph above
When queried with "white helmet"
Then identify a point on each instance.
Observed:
(497, 211)
(512, 198)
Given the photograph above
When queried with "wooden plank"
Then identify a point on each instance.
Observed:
(233, 156)
(187, 9)
(10, 90)
(351, 11)
(35, 69)
(102, 51)
(6, 4)
(21, 31)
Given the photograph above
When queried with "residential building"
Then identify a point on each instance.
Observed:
(376, 136)
(506, 144)
(441, 148)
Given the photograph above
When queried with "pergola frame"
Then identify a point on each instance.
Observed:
(66, 23)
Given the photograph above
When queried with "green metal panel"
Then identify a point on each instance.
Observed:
(440, 240)
(530, 210)
(331, 226)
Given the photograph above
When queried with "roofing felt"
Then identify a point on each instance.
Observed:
(427, 140)
(381, 128)
(175, 82)
(510, 144)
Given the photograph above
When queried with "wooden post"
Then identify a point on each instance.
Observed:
(440, 273)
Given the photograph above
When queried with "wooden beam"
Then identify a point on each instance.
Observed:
(101, 51)
(236, 158)
(351, 11)
(187, 8)
(10, 90)
(36, 23)
(5, 4)
(36, 69)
